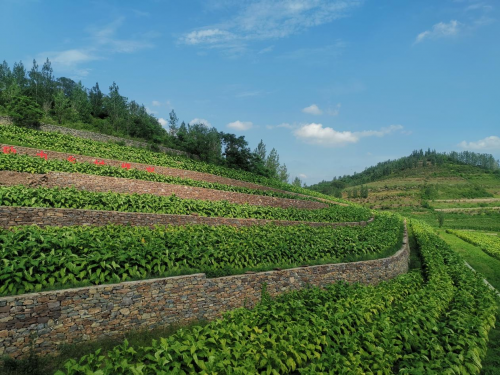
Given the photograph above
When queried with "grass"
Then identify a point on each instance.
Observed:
(49, 364)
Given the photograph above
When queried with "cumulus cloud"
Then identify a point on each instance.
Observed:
(162, 122)
(440, 30)
(489, 143)
(325, 136)
(201, 121)
(240, 125)
(313, 109)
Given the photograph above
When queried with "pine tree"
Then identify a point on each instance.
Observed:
(273, 163)
(297, 182)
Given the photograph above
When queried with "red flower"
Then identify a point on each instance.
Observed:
(42, 154)
(97, 162)
(9, 150)
(150, 169)
(71, 159)
(126, 165)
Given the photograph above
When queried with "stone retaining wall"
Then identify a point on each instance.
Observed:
(100, 137)
(104, 184)
(166, 171)
(75, 315)
(14, 216)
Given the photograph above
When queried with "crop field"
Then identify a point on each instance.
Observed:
(25, 163)
(408, 325)
(488, 243)
(149, 203)
(434, 319)
(65, 143)
(34, 259)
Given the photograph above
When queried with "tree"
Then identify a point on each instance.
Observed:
(116, 106)
(96, 101)
(34, 82)
(273, 163)
(283, 175)
(25, 111)
(297, 182)
(62, 109)
(80, 104)
(172, 123)
(260, 151)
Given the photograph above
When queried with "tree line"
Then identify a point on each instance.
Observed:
(37, 95)
(415, 159)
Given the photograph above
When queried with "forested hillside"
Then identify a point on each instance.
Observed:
(35, 96)
(418, 159)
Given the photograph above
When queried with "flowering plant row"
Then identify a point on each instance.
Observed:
(25, 163)
(65, 143)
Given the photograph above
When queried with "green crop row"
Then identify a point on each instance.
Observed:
(434, 322)
(149, 203)
(30, 164)
(33, 259)
(65, 143)
(488, 243)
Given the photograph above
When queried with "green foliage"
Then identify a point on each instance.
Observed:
(437, 322)
(66, 143)
(490, 244)
(149, 203)
(30, 164)
(34, 259)
(440, 217)
(25, 111)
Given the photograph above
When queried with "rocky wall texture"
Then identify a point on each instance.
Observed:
(49, 319)
(174, 172)
(15, 216)
(95, 183)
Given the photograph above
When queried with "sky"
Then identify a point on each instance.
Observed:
(335, 86)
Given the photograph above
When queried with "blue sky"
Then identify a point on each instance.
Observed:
(334, 86)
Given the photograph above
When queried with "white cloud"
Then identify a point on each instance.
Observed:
(266, 50)
(200, 121)
(263, 19)
(302, 175)
(150, 111)
(207, 36)
(335, 111)
(102, 43)
(156, 103)
(313, 109)
(247, 94)
(488, 143)
(440, 30)
(240, 125)
(325, 136)
(163, 122)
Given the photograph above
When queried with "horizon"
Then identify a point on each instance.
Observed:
(335, 86)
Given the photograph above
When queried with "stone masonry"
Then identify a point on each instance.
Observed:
(166, 171)
(104, 184)
(75, 315)
(14, 216)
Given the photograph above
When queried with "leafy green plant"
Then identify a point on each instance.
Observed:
(33, 259)
(149, 203)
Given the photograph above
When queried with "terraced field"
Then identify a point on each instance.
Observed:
(434, 319)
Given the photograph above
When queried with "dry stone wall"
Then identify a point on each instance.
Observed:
(174, 172)
(15, 216)
(75, 315)
(123, 185)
